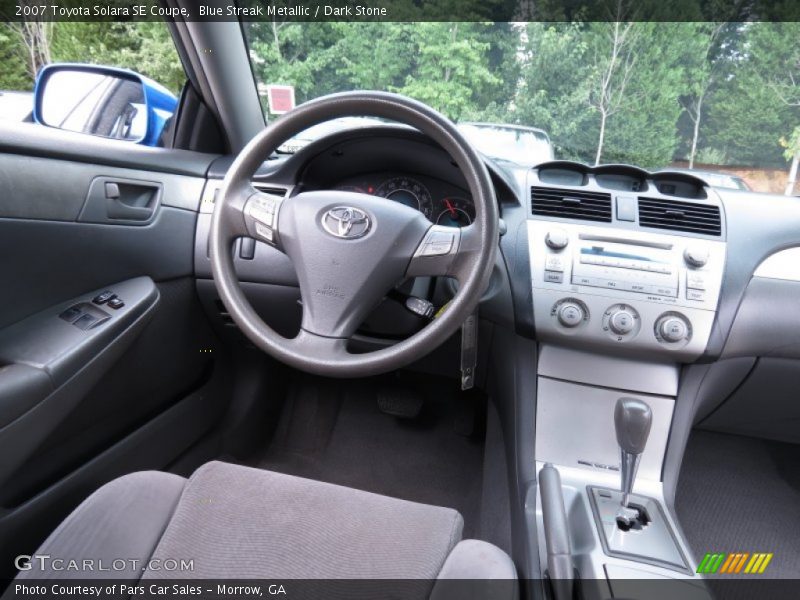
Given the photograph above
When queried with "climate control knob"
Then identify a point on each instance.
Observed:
(673, 328)
(556, 239)
(622, 322)
(570, 314)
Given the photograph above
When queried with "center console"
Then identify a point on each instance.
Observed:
(627, 269)
(620, 288)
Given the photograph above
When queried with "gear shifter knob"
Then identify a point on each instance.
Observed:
(632, 420)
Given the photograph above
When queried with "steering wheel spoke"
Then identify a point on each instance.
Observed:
(259, 217)
(307, 343)
(445, 251)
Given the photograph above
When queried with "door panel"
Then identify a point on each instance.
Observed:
(73, 391)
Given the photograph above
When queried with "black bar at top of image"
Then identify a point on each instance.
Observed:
(401, 10)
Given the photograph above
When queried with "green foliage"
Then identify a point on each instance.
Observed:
(634, 99)
(14, 74)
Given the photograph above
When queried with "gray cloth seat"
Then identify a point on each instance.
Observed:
(235, 522)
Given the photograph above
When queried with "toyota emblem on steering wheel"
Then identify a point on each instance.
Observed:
(346, 222)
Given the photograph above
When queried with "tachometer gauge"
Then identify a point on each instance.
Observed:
(408, 191)
(455, 212)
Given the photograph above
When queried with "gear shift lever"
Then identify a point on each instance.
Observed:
(632, 420)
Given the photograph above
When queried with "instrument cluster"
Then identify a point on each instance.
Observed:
(440, 202)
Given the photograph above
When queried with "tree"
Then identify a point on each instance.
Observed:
(14, 75)
(776, 61)
(451, 67)
(613, 55)
(701, 72)
(35, 39)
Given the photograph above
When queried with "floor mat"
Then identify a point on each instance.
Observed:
(738, 494)
(333, 431)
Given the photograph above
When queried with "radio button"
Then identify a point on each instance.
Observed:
(554, 276)
(590, 281)
(695, 257)
(695, 281)
(637, 287)
(665, 291)
(557, 239)
(699, 295)
(554, 263)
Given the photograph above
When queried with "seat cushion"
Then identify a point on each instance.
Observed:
(238, 522)
(123, 520)
(234, 522)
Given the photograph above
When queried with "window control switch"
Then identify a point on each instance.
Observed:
(71, 314)
(85, 316)
(86, 322)
(115, 303)
(104, 297)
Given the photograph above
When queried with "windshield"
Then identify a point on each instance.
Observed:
(703, 96)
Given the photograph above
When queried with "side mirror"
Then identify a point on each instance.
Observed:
(102, 101)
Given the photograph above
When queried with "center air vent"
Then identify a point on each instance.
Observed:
(690, 217)
(571, 204)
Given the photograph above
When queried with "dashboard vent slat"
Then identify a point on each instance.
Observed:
(680, 216)
(571, 204)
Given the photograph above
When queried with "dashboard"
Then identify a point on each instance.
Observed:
(442, 203)
(621, 258)
(612, 258)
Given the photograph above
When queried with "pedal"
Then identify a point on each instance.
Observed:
(399, 402)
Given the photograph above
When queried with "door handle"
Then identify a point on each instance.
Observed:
(130, 202)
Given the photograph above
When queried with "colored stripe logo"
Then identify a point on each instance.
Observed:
(734, 563)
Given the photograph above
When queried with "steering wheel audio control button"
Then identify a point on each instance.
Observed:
(437, 243)
(265, 232)
(263, 210)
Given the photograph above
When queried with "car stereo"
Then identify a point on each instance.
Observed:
(646, 292)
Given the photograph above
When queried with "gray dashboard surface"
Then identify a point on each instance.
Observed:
(768, 321)
(758, 225)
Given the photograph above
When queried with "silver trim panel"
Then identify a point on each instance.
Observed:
(575, 427)
(781, 265)
(642, 271)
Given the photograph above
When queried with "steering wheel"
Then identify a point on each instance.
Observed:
(350, 249)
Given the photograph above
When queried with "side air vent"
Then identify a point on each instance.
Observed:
(690, 217)
(571, 204)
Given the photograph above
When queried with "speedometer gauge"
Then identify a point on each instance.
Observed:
(408, 191)
(455, 212)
